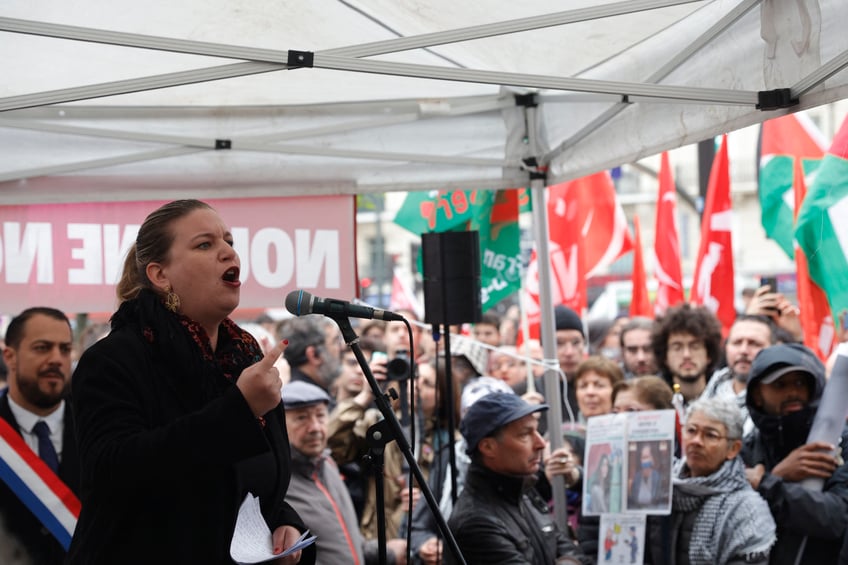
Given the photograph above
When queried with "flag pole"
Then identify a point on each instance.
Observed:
(546, 330)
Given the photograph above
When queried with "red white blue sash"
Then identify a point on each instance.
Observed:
(37, 486)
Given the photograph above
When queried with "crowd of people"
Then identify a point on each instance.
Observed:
(174, 415)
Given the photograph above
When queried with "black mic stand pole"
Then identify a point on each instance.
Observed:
(451, 413)
(387, 430)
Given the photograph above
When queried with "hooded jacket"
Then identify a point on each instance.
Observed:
(808, 521)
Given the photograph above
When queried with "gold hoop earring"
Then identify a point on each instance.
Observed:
(172, 300)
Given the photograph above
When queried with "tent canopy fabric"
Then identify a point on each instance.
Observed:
(128, 101)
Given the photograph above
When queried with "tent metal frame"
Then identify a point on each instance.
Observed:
(344, 58)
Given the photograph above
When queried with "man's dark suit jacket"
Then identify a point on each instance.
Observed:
(42, 547)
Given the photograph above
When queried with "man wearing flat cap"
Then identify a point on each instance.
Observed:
(785, 385)
(499, 517)
(317, 491)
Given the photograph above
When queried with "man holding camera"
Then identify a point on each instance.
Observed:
(348, 441)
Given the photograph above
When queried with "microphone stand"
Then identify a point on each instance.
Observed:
(384, 432)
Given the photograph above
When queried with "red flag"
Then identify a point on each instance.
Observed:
(403, 298)
(712, 285)
(640, 303)
(816, 319)
(588, 231)
(667, 267)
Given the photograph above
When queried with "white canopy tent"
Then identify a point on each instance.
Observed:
(105, 101)
(129, 101)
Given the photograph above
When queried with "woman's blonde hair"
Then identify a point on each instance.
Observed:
(152, 245)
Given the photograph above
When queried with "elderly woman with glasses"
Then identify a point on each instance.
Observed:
(716, 517)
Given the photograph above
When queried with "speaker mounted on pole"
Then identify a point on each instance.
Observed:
(451, 263)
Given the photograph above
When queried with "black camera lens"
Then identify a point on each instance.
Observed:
(397, 369)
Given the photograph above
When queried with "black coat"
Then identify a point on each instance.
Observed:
(820, 517)
(163, 473)
(501, 519)
(40, 544)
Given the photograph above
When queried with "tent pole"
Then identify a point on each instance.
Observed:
(551, 380)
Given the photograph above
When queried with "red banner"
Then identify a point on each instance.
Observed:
(70, 256)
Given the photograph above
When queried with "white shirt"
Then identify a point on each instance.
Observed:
(27, 421)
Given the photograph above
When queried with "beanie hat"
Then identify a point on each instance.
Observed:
(567, 319)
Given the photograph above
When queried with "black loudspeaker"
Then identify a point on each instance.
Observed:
(451, 263)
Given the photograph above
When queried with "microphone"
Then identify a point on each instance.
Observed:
(300, 303)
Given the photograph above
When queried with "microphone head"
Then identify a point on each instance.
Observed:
(298, 301)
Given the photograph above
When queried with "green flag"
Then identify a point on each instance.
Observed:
(781, 141)
(493, 213)
(822, 230)
(500, 249)
(437, 211)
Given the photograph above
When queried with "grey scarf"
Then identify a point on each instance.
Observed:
(733, 520)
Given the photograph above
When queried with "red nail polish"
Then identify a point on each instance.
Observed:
(285, 342)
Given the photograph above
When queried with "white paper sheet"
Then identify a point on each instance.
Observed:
(252, 541)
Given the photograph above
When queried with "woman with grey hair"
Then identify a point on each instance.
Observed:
(716, 517)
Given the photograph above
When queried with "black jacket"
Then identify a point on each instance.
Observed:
(502, 519)
(42, 548)
(821, 517)
(164, 469)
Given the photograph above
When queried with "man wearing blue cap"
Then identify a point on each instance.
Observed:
(784, 388)
(499, 517)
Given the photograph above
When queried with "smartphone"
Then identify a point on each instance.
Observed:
(771, 282)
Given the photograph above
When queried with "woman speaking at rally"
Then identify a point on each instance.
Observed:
(178, 412)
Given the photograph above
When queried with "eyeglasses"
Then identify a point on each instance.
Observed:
(709, 435)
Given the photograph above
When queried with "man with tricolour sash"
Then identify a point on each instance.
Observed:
(39, 464)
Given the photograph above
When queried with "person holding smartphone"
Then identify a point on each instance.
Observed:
(768, 301)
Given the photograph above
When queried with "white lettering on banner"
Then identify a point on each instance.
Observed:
(101, 254)
(21, 252)
(93, 254)
(90, 253)
(324, 253)
(261, 257)
(273, 258)
(115, 249)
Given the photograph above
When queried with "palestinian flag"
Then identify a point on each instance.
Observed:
(782, 141)
(816, 319)
(822, 229)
